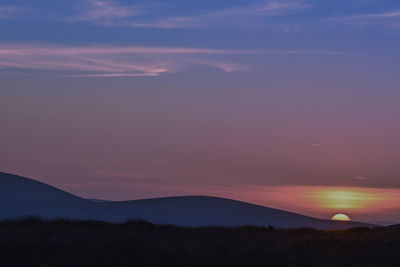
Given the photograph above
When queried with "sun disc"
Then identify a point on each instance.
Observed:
(340, 217)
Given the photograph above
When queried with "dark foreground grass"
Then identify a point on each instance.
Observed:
(33, 242)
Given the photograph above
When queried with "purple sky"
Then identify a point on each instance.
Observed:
(133, 99)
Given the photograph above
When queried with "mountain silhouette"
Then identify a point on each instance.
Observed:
(20, 196)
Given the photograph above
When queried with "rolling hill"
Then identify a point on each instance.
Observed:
(21, 196)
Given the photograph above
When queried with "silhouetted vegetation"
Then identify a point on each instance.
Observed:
(34, 242)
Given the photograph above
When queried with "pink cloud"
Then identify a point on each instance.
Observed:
(130, 174)
(376, 15)
(114, 13)
(129, 61)
(110, 61)
(106, 12)
(228, 16)
(360, 177)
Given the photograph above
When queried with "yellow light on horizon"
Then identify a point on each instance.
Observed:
(322, 200)
(345, 199)
(340, 217)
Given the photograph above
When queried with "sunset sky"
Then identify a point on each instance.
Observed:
(288, 104)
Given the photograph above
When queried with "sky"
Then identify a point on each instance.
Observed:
(288, 104)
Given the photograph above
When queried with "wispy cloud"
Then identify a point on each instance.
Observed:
(360, 177)
(394, 14)
(112, 61)
(389, 19)
(243, 16)
(152, 15)
(112, 13)
(128, 61)
(130, 174)
(9, 11)
(106, 12)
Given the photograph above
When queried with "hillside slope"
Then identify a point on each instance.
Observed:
(21, 196)
(205, 210)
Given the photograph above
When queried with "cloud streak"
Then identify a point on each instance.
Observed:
(9, 11)
(245, 15)
(111, 61)
(111, 13)
(128, 61)
(106, 12)
(387, 19)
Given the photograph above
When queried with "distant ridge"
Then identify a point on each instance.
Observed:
(20, 196)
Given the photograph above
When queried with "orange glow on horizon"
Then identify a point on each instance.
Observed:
(345, 199)
(323, 200)
(339, 199)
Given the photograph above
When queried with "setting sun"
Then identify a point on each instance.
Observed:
(340, 217)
